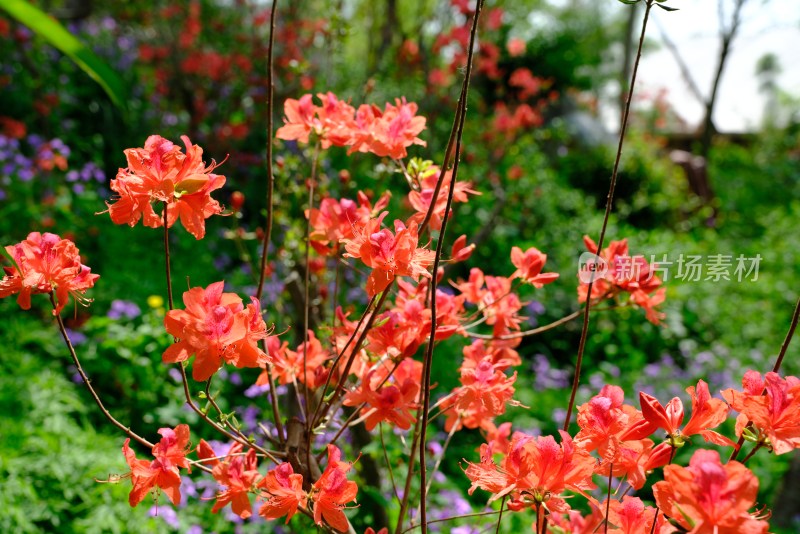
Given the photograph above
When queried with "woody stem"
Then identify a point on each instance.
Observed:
(500, 515)
(409, 474)
(443, 451)
(270, 174)
(354, 354)
(608, 497)
(204, 416)
(86, 381)
(166, 259)
(426, 366)
(307, 279)
(336, 360)
(454, 517)
(655, 515)
(753, 451)
(609, 203)
(388, 463)
(276, 415)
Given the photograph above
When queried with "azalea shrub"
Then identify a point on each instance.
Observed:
(349, 430)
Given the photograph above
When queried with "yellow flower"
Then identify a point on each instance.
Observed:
(155, 301)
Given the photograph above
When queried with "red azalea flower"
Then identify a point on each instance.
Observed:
(707, 413)
(389, 254)
(239, 474)
(776, 415)
(709, 497)
(391, 402)
(46, 263)
(529, 266)
(170, 454)
(161, 172)
(535, 472)
(215, 327)
(626, 274)
(283, 493)
(631, 516)
(421, 200)
(336, 220)
(333, 491)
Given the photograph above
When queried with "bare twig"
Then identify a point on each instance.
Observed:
(276, 416)
(166, 259)
(453, 518)
(426, 366)
(270, 174)
(86, 381)
(609, 204)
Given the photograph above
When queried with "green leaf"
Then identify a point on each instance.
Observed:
(630, 2)
(667, 8)
(54, 33)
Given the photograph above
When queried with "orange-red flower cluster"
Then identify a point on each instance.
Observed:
(775, 415)
(337, 220)
(215, 327)
(534, 473)
(603, 422)
(333, 491)
(485, 389)
(170, 454)
(46, 263)
(707, 413)
(390, 400)
(282, 492)
(625, 274)
(529, 266)
(281, 489)
(161, 172)
(707, 497)
(631, 516)
(288, 365)
(366, 129)
(710, 498)
(388, 253)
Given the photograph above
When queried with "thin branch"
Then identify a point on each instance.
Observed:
(336, 360)
(753, 451)
(788, 339)
(276, 416)
(609, 204)
(357, 347)
(307, 279)
(270, 174)
(273, 397)
(453, 518)
(388, 463)
(409, 476)
(85, 379)
(608, 497)
(443, 451)
(426, 366)
(166, 259)
(204, 416)
(500, 516)
(532, 332)
(341, 430)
